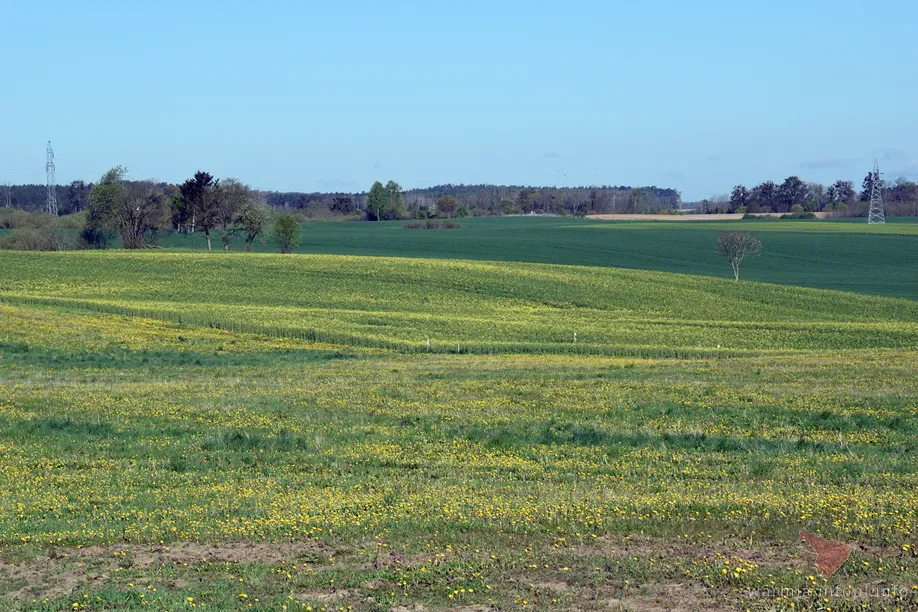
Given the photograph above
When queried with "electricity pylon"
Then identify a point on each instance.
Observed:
(49, 171)
(876, 215)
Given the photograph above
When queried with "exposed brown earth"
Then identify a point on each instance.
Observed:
(61, 572)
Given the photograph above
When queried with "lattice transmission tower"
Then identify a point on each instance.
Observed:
(49, 171)
(876, 215)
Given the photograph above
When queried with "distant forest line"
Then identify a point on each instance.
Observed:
(900, 199)
(473, 200)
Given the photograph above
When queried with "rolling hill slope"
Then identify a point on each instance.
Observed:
(479, 306)
(845, 255)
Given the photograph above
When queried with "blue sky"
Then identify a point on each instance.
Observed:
(334, 95)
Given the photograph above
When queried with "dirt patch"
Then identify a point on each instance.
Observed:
(45, 578)
(639, 546)
(388, 558)
(191, 552)
(324, 597)
(668, 597)
(767, 556)
(61, 571)
(554, 587)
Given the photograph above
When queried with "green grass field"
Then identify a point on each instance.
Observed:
(842, 254)
(257, 431)
(846, 255)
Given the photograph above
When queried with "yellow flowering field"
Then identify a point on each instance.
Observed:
(461, 306)
(262, 432)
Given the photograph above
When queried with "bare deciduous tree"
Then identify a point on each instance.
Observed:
(231, 200)
(142, 213)
(252, 219)
(137, 210)
(737, 246)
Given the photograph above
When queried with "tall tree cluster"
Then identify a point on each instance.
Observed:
(228, 208)
(385, 201)
(793, 194)
(138, 210)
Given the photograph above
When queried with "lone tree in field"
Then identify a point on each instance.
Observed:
(447, 205)
(287, 233)
(737, 246)
(377, 200)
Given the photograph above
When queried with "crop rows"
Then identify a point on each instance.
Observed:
(442, 306)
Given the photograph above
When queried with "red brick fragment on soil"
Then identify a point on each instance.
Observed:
(830, 555)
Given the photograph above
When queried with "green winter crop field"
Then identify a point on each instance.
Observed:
(847, 255)
(839, 254)
(183, 430)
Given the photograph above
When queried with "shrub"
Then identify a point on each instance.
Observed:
(13, 218)
(799, 215)
(93, 238)
(432, 224)
(317, 209)
(287, 233)
(796, 209)
(28, 239)
(74, 221)
(742, 210)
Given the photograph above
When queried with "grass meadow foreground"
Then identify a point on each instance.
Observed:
(233, 432)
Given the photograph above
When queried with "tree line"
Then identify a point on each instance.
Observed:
(478, 200)
(900, 198)
(71, 198)
(842, 197)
